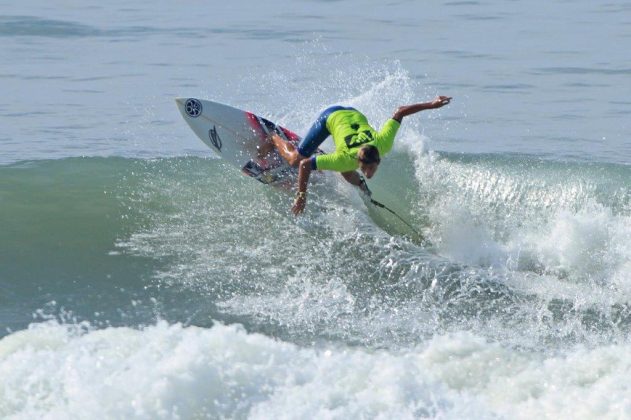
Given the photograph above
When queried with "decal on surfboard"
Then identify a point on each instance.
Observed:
(193, 107)
(214, 138)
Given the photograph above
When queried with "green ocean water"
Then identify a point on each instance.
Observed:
(118, 241)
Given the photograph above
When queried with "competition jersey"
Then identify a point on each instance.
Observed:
(350, 130)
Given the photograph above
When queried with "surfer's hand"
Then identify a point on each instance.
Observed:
(299, 204)
(364, 187)
(440, 101)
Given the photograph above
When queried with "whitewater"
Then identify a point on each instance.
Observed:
(141, 277)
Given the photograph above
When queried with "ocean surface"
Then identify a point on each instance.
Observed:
(141, 277)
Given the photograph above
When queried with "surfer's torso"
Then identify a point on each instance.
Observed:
(350, 130)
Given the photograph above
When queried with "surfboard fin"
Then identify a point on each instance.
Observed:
(266, 175)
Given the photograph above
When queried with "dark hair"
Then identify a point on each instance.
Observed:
(369, 154)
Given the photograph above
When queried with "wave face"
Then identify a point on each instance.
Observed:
(510, 243)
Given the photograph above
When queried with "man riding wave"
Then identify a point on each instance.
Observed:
(357, 145)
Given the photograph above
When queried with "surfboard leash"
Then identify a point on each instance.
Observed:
(383, 206)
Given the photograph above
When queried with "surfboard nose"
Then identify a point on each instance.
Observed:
(180, 102)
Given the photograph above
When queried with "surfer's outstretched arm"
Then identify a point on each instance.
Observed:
(304, 170)
(405, 110)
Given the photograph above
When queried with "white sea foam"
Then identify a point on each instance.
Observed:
(591, 244)
(551, 221)
(171, 371)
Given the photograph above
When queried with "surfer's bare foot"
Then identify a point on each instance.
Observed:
(265, 148)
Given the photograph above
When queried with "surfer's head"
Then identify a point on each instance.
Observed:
(368, 157)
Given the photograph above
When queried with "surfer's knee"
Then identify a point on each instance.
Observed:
(295, 159)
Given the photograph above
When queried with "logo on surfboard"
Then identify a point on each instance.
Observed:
(214, 138)
(193, 108)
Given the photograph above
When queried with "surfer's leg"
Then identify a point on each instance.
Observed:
(307, 146)
(317, 133)
(265, 148)
(287, 150)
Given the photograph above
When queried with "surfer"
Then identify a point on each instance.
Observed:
(357, 145)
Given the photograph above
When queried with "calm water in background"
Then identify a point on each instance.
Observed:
(128, 253)
(548, 78)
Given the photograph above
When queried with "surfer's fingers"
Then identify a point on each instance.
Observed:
(445, 101)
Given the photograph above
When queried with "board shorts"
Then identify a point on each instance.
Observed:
(318, 132)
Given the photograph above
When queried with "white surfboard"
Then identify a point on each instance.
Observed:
(235, 134)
